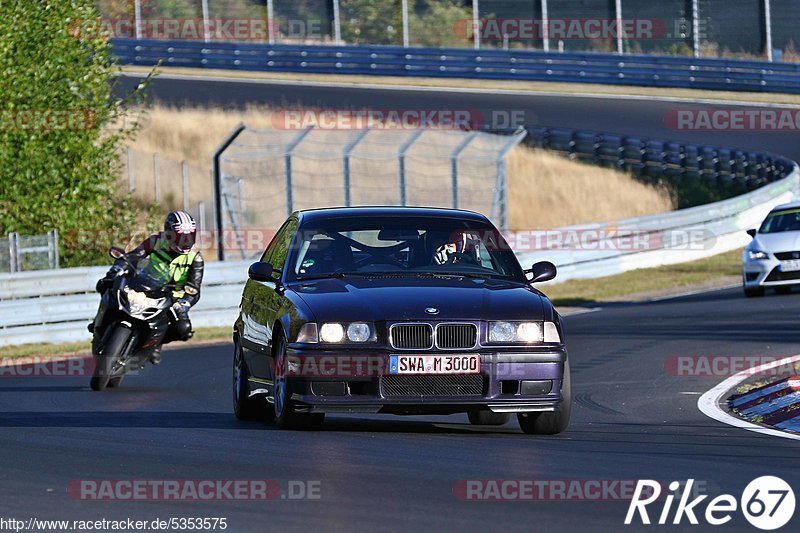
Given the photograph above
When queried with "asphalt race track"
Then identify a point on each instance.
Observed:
(640, 117)
(632, 419)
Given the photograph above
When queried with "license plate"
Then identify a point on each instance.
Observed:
(790, 266)
(434, 364)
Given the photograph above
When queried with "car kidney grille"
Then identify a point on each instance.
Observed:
(412, 336)
(455, 385)
(456, 336)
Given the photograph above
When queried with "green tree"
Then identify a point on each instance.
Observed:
(60, 130)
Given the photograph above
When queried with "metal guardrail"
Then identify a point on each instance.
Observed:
(531, 65)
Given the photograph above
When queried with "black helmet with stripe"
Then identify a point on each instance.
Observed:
(180, 230)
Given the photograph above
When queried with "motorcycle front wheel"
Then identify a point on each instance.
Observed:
(104, 363)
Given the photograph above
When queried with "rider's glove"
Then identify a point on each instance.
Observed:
(181, 304)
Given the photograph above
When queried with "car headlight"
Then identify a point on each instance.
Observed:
(334, 332)
(757, 255)
(523, 332)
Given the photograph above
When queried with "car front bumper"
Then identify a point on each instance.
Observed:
(767, 273)
(509, 381)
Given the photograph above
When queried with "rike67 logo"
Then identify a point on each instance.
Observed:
(767, 503)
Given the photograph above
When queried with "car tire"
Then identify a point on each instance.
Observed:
(104, 363)
(550, 423)
(245, 407)
(487, 418)
(113, 383)
(751, 292)
(783, 290)
(284, 413)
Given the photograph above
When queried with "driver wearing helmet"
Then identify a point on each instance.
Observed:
(461, 247)
(172, 256)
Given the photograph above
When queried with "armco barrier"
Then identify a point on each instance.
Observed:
(531, 65)
(55, 306)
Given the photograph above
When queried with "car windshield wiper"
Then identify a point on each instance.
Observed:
(331, 275)
(454, 275)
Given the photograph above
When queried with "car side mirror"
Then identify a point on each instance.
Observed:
(261, 271)
(543, 271)
(116, 253)
(752, 232)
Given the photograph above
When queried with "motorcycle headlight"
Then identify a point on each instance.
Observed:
(138, 302)
(757, 255)
(523, 332)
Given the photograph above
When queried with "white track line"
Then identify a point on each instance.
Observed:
(456, 90)
(709, 402)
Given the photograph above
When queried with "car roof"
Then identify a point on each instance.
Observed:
(783, 207)
(311, 215)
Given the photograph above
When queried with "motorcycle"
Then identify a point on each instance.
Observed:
(132, 321)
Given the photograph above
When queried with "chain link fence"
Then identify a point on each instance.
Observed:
(265, 175)
(712, 28)
(19, 253)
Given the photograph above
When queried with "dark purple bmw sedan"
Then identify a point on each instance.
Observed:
(398, 310)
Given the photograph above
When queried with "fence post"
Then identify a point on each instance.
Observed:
(401, 156)
(288, 170)
(217, 175)
(13, 256)
(337, 24)
(768, 23)
(137, 15)
(404, 7)
(502, 177)
(131, 173)
(454, 165)
(620, 42)
(476, 24)
(206, 22)
(545, 27)
(201, 215)
(185, 175)
(696, 27)
(270, 25)
(348, 149)
(157, 177)
(55, 249)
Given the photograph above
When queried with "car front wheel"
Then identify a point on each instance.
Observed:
(285, 415)
(753, 292)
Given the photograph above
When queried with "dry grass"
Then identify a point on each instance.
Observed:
(545, 190)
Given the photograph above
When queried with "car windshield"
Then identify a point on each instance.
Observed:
(780, 221)
(413, 246)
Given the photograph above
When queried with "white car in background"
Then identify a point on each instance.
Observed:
(772, 259)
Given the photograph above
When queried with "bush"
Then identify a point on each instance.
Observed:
(59, 133)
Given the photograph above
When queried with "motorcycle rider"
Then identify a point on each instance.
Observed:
(172, 256)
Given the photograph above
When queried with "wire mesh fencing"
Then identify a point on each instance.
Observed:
(20, 253)
(265, 175)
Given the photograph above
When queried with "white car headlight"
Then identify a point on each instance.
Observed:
(334, 332)
(331, 332)
(523, 332)
(757, 255)
(359, 332)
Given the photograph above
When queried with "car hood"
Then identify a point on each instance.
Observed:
(786, 241)
(376, 299)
